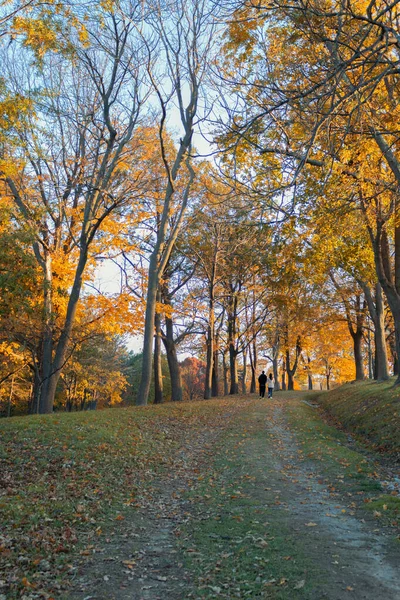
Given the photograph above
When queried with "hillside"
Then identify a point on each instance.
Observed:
(368, 409)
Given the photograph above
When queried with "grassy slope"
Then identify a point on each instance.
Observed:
(64, 479)
(370, 410)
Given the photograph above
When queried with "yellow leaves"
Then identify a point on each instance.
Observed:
(116, 313)
(12, 110)
(11, 350)
(107, 5)
(38, 34)
(166, 310)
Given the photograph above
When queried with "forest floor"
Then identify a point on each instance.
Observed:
(272, 503)
(231, 498)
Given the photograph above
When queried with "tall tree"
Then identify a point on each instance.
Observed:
(68, 184)
(185, 31)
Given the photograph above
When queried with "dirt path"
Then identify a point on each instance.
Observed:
(355, 555)
(260, 507)
(140, 560)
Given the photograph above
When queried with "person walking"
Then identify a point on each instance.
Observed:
(271, 385)
(262, 380)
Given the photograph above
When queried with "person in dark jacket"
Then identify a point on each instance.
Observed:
(262, 380)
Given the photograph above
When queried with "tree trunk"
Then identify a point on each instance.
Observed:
(358, 357)
(396, 363)
(234, 387)
(244, 388)
(210, 353)
(35, 402)
(158, 378)
(50, 382)
(309, 374)
(253, 366)
(45, 398)
(382, 366)
(377, 313)
(291, 371)
(370, 357)
(162, 251)
(290, 374)
(225, 369)
(173, 363)
(390, 284)
(215, 373)
(275, 356)
(283, 376)
(170, 349)
(147, 353)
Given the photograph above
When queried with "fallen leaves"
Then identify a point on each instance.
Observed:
(67, 478)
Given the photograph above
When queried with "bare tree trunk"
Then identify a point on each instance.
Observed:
(147, 352)
(210, 339)
(158, 377)
(290, 374)
(358, 357)
(309, 374)
(187, 36)
(46, 401)
(35, 396)
(244, 377)
(283, 375)
(253, 366)
(370, 356)
(275, 358)
(210, 345)
(225, 369)
(170, 349)
(388, 278)
(234, 387)
(173, 363)
(291, 371)
(232, 317)
(215, 373)
(377, 312)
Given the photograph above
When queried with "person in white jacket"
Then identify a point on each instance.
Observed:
(271, 385)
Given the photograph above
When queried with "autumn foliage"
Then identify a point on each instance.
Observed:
(279, 247)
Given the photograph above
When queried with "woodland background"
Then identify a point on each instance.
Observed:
(235, 165)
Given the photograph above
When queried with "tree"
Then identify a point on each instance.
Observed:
(192, 376)
(327, 82)
(66, 195)
(185, 31)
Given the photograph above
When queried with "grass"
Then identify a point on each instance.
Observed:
(370, 410)
(344, 466)
(65, 478)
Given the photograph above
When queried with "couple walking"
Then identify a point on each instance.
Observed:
(262, 380)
